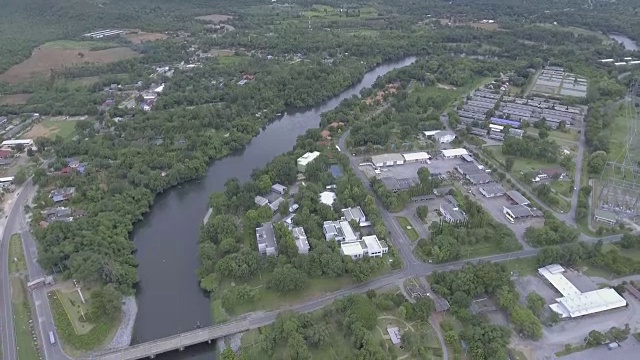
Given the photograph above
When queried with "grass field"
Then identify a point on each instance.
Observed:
(16, 255)
(524, 266)
(520, 164)
(78, 45)
(51, 129)
(408, 228)
(577, 31)
(564, 188)
(619, 130)
(75, 308)
(25, 344)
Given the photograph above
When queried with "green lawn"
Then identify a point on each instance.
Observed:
(408, 228)
(564, 188)
(577, 31)
(64, 128)
(79, 45)
(16, 255)
(570, 136)
(25, 345)
(76, 309)
(524, 266)
(619, 130)
(478, 250)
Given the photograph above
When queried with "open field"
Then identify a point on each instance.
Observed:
(520, 164)
(140, 37)
(412, 234)
(25, 344)
(51, 128)
(214, 18)
(523, 267)
(577, 31)
(16, 255)
(78, 45)
(76, 309)
(478, 25)
(46, 58)
(14, 99)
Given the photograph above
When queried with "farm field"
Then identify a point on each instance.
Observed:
(141, 36)
(51, 128)
(59, 54)
(14, 99)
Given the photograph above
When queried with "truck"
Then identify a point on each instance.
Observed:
(31, 285)
(52, 338)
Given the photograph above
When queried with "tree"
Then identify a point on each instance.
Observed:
(508, 163)
(595, 338)
(423, 308)
(287, 279)
(21, 176)
(422, 211)
(228, 354)
(535, 303)
(106, 302)
(424, 175)
(543, 134)
(264, 184)
(597, 162)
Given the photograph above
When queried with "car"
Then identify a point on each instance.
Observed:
(377, 171)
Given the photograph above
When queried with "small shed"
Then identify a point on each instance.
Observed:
(394, 334)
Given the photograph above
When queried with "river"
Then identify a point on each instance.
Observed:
(169, 297)
(625, 40)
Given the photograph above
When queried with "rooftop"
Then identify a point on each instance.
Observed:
(442, 134)
(431, 133)
(416, 156)
(373, 244)
(454, 152)
(520, 211)
(493, 189)
(453, 212)
(517, 197)
(265, 235)
(351, 248)
(479, 178)
(301, 239)
(327, 198)
(384, 158)
(353, 213)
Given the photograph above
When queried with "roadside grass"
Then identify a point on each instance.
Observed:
(570, 349)
(79, 45)
(26, 345)
(571, 136)
(75, 344)
(523, 266)
(619, 131)
(412, 234)
(17, 262)
(564, 188)
(218, 312)
(479, 250)
(64, 128)
(79, 313)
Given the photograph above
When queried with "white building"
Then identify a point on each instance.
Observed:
(374, 247)
(454, 153)
(6, 181)
(430, 132)
(266, 240)
(416, 157)
(339, 231)
(444, 137)
(352, 249)
(305, 159)
(12, 143)
(387, 160)
(301, 240)
(356, 214)
(327, 198)
(575, 303)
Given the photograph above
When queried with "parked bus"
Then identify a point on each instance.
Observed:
(52, 339)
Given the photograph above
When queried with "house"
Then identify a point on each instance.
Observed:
(452, 214)
(62, 194)
(554, 173)
(266, 240)
(355, 214)
(301, 240)
(57, 214)
(73, 163)
(394, 335)
(260, 201)
(276, 204)
(305, 159)
(444, 137)
(6, 181)
(339, 231)
(279, 189)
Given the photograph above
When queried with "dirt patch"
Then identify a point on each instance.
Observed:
(140, 37)
(43, 60)
(41, 130)
(448, 87)
(214, 18)
(477, 25)
(14, 99)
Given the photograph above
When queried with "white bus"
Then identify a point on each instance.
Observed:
(52, 339)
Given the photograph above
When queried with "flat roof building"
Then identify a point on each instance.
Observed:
(605, 216)
(431, 132)
(374, 247)
(305, 159)
(355, 213)
(416, 157)
(13, 143)
(492, 190)
(453, 153)
(394, 335)
(266, 240)
(452, 214)
(339, 231)
(261, 201)
(301, 239)
(352, 249)
(279, 189)
(387, 160)
(520, 212)
(469, 169)
(575, 303)
(396, 185)
(444, 137)
(477, 179)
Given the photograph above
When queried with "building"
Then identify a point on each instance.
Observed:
(451, 200)
(452, 214)
(13, 143)
(59, 195)
(469, 169)
(444, 137)
(492, 190)
(327, 198)
(276, 204)
(266, 240)
(499, 121)
(554, 173)
(339, 231)
(374, 247)
(57, 214)
(279, 189)
(430, 133)
(478, 179)
(305, 159)
(288, 220)
(352, 249)
(301, 240)
(355, 214)
(605, 216)
(575, 303)
(6, 181)
(396, 185)
(394, 335)
(260, 201)
(454, 153)
(514, 212)
(5, 153)
(416, 157)
(517, 198)
(387, 160)
(467, 158)
(516, 132)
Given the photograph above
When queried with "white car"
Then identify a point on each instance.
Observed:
(377, 171)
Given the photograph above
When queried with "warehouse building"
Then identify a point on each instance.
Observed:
(575, 303)
(416, 157)
(479, 179)
(516, 212)
(387, 160)
(493, 190)
(454, 153)
(305, 159)
(445, 137)
(452, 214)
(517, 198)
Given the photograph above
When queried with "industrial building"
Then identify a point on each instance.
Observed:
(515, 212)
(420, 156)
(454, 153)
(305, 159)
(444, 137)
(575, 303)
(396, 185)
(452, 214)
(492, 190)
(387, 160)
(517, 198)
(13, 143)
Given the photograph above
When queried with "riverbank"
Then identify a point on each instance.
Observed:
(124, 334)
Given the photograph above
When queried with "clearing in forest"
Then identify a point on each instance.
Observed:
(49, 128)
(141, 36)
(57, 55)
(214, 18)
(14, 99)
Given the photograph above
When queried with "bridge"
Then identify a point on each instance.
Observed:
(180, 341)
